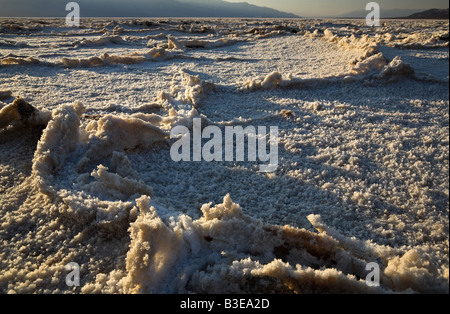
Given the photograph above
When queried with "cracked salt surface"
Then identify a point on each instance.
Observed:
(87, 176)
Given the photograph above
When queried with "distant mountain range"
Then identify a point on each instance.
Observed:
(401, 13)
(431, 14)
(140, 8)
(360, 14)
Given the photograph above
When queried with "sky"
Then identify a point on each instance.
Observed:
(305, 8)
(310, 8)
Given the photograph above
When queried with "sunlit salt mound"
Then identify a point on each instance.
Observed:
(104, 40)
(223, 251)
(226, 251)
(374, 67)
(64, 141)
(19, 61)
(153, 54)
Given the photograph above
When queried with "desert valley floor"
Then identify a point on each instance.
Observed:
(86, 174)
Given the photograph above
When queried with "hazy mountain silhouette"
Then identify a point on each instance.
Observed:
(402, 14)
(431, 14)
(383, 13)
(139, 8)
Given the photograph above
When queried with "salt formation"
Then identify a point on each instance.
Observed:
(19, 61)
(186, 255)
(369, 65)
(153, 54)
(104, 40)
(99, 140)
(373, 66)
(191, 255)
(103, 139)
(397, 67)
(22, 112)
(86, 176)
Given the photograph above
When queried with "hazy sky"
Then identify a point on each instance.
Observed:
(336, 7)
